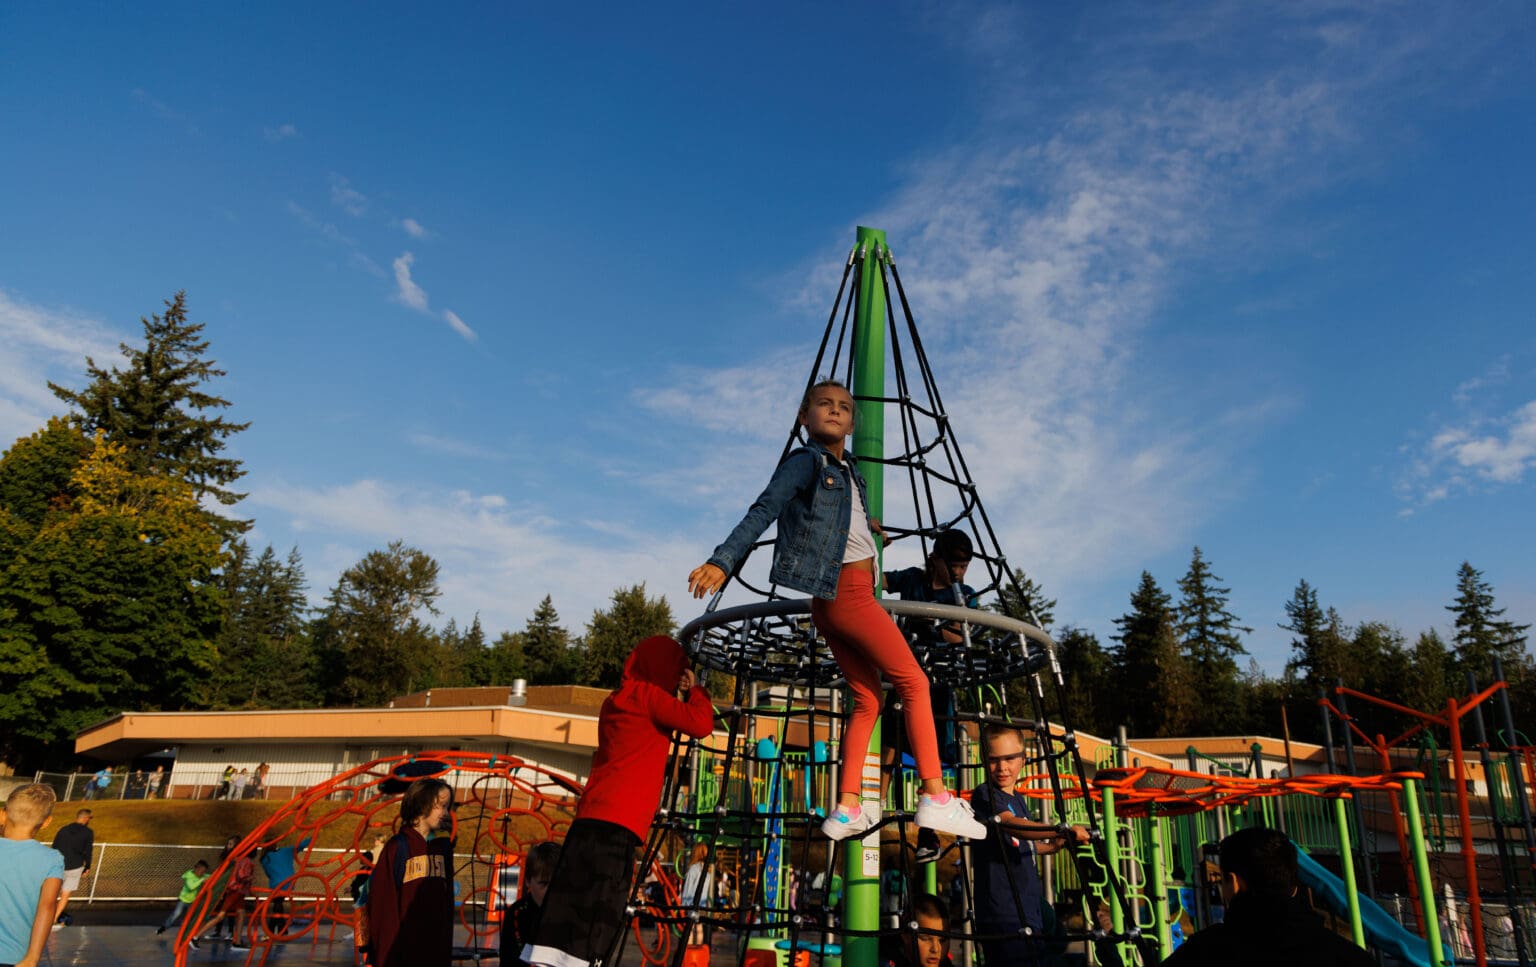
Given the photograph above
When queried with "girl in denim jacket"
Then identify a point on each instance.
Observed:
(826, 548)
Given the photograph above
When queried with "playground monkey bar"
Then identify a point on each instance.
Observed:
(1419, 885)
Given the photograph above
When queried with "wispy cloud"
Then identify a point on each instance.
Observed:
(282, 132)
(347, 198)
(448, 446)
(1478, 453)
(329, 232)
(499, 556)
(42, 344)
(1497, 374)
(1039, 250)
(165, 111)
(460, 326)
(409, 294)
(414, 229)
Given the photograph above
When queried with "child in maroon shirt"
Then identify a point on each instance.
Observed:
(410, 894)
(584, 911)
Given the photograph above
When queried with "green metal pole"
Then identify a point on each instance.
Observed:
(1347, 860)
(1160, 889)
(861, 879)
(1421, 870)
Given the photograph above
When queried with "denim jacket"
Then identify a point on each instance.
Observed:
(808, 495)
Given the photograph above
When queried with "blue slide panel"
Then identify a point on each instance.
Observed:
(1381, 930)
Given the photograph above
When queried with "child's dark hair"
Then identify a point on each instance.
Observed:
(420, 798)
(1264, 858)
(810, 391)
(928, 905)
(199, 863)
(540, 861)
(953, 546)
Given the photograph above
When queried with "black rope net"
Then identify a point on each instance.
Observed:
(755, 797)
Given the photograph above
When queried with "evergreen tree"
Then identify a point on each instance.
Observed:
(1317, 654)
(265, 659)
(463, 657)
(1208, 634)
(547, 655)
(1154, 682)
(612, 634)
(1025, 600)
(1480, 632)
(504, 662)
(371, 641)
(1087, 670)
(1430, 683)
(158, 408)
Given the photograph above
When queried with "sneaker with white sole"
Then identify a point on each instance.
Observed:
(839, 827)
(953, 817)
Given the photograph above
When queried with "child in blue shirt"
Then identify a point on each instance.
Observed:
(31, 876)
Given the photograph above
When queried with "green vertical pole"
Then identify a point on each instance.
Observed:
(1421, 870)
(1159, 888)
(861, 879)
(1347, 861)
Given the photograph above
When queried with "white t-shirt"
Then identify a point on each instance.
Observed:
(861, 543)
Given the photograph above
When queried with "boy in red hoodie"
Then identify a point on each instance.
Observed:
(584, 910)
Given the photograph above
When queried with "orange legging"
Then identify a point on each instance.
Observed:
(866, 643)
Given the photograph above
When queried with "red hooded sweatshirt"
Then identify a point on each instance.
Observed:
(634, 735)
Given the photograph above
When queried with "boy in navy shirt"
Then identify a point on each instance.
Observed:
(1008, 894)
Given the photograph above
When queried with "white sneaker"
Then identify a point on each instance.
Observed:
(840, 827)
(954, 817)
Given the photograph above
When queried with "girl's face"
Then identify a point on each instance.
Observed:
(829, 417)
(437, 816)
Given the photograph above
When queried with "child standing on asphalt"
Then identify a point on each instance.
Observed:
(191, 881)
(826, 548)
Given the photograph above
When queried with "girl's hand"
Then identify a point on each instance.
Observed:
(705, 579)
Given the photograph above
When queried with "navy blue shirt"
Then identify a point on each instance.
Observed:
(993, 859)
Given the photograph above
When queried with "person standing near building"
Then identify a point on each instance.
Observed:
(410, 894)
(76, 842)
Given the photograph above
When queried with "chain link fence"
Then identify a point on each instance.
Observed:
(134, 871)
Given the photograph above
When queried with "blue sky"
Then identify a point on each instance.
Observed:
(533, 289)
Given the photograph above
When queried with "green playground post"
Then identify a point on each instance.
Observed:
(861, 881)
(1347, 861)
(1112, 860)
(1159, 890)
(1421, 870)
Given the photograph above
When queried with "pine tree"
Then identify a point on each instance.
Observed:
(1433, 666)
(158, 408)
(1025, 600)
(1208, 633)
(612, 634)
(1480, 634)
(1087, 670)
(1154, 682)
(548, 658)
(265, 659)
(1319, 650)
